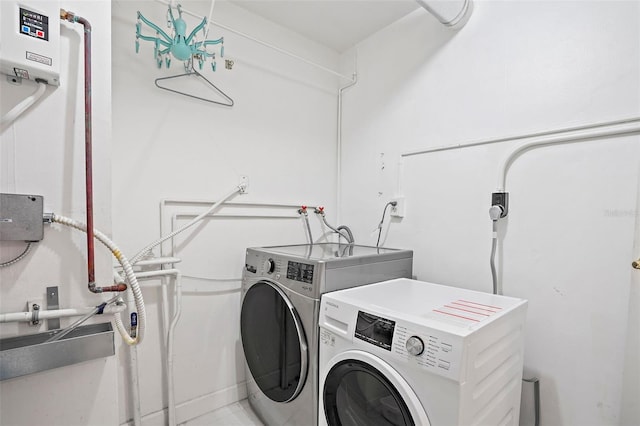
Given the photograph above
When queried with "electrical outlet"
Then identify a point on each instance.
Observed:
(399, 210)
(501, 199)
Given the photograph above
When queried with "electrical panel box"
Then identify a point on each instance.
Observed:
(30, 40)
(21, 217)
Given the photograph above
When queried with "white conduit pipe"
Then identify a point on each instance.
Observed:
(451, 13)
(178, 283)
(339, 147)
(518, 137)
(620, 129)
(19, 109)
(168, 201)
(158, 261)
(131, 278)
(171, 407)
(133, 352)
(58, 313)
(238, 189)
(234, 216)
(206, 32)
(135, 385)
(133, 355)
(164, 203)
(588, 133)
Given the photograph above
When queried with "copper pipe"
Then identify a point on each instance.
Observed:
(115, 288)
(88, 127)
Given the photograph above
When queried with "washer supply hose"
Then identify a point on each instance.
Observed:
(348, 236)
(131, 279)
(306, 222)
(302, 211)
(494, 243)
(346, 228)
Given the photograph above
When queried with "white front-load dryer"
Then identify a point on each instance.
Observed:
(405, 352)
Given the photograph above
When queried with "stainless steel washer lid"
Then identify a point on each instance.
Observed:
(338, 252)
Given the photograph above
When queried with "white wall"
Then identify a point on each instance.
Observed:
(43, 153)
(281, 133)
(631, 385)
(516, 67)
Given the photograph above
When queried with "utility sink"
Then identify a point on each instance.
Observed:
(22, 355)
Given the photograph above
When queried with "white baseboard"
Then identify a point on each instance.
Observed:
(205, 404)
(197, 407)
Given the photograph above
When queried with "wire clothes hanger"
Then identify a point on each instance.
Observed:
(191, 71)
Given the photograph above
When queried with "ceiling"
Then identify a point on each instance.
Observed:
(338, 24)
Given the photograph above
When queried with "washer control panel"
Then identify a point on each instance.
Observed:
(269, 266)
(292, 273)
(415, 346)
(298, 271)
(433, 350)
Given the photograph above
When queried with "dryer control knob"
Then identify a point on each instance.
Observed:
(415, 345)
(269, 266)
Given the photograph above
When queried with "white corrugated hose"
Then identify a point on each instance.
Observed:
(130, 276)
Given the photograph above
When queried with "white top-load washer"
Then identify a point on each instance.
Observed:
(406, 352)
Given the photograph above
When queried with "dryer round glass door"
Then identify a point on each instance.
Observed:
(357, 394)
(274, 341)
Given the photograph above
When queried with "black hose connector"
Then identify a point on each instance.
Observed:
(101, 307)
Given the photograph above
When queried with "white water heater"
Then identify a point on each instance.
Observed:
(30, 40)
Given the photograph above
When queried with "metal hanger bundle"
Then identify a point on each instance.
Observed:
(183, 47)
(191, 72)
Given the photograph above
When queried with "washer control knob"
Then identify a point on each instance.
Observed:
(415, 345)
(269, 266)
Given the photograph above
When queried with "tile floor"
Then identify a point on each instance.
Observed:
(236, 414)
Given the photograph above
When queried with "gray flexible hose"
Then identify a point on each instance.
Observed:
(348, 237)
(346, 228)
(306, 221)
(494, 243)
(82, 320)
(536, 398)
